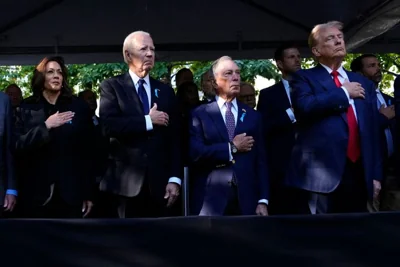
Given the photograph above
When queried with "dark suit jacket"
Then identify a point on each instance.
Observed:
(396, 137)
(100, 150)
(209, 150)
(279, 131)
(136, 153)
(385, 123)
(319, 155)
(7, 177)
(60, 155)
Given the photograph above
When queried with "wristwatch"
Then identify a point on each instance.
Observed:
(233, 148)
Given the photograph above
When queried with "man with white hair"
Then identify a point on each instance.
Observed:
(227, 150)
(336, 161)
(141, 117)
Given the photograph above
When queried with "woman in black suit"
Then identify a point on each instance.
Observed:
(53, 148)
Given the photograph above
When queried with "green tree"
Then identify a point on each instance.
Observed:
(20, 75)
(89, 76)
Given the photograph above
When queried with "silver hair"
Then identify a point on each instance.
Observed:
(128, 43)
(215, 64)
(315, 33)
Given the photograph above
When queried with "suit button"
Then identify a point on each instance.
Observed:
(145, 155)
(233, 161)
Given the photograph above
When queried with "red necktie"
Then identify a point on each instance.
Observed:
(353, 148)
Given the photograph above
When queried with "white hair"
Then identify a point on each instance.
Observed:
(216, 63)
(315, 33)
(128, 43)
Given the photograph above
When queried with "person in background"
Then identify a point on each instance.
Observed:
(54, 134)
(188, 98)
(99, 155)
(396, 137)
(275, 107)
(247, 94)
(182, 76)
(207, 87)
(369, 66)
(15, 94)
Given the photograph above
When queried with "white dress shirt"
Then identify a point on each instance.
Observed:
(342, 78)
(146, 85)
(388, 133)
(149, 124)
(234, 109)
(289, 110)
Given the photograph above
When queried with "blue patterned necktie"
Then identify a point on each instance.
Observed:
(230, 120)
(143, 96)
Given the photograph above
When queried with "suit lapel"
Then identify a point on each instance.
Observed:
(326, 80)
(282, 95)
(131, 93)
(215, 114)
(240, 118)
(154, 96)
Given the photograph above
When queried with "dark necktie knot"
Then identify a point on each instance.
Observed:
(141, 82)
(143, 96)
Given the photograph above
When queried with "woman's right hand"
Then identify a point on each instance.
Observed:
(58, 119)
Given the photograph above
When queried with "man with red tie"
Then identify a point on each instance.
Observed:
(336, 161)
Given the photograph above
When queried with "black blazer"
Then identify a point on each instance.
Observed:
(279, 131)
(60, 155)
(385, 123)
(136, 153)
(7, 177)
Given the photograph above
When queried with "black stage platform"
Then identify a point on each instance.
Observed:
(334, 240)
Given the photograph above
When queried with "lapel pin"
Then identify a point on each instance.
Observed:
(156, 92)
(243, 115)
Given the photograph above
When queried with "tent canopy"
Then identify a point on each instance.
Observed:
(93, 31)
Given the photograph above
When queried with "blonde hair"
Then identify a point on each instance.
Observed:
(315, 33)
(128, 43)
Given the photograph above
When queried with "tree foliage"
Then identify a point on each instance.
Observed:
(89, 76)
(390, 64)
(20, 75)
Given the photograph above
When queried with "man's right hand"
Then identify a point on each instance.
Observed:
(58, 119)
(355, 89)
(243, 143)
(158, 117)
(388, 112)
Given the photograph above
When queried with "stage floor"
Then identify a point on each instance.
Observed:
(328, 240)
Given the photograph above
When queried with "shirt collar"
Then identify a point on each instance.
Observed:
(285, 83)
(136, 78)
(221, 102)
(340, 70)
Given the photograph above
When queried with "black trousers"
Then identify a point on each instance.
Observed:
(349, 197)
(233, 208)
(281, 197)
(56, 208)
(144, 205)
